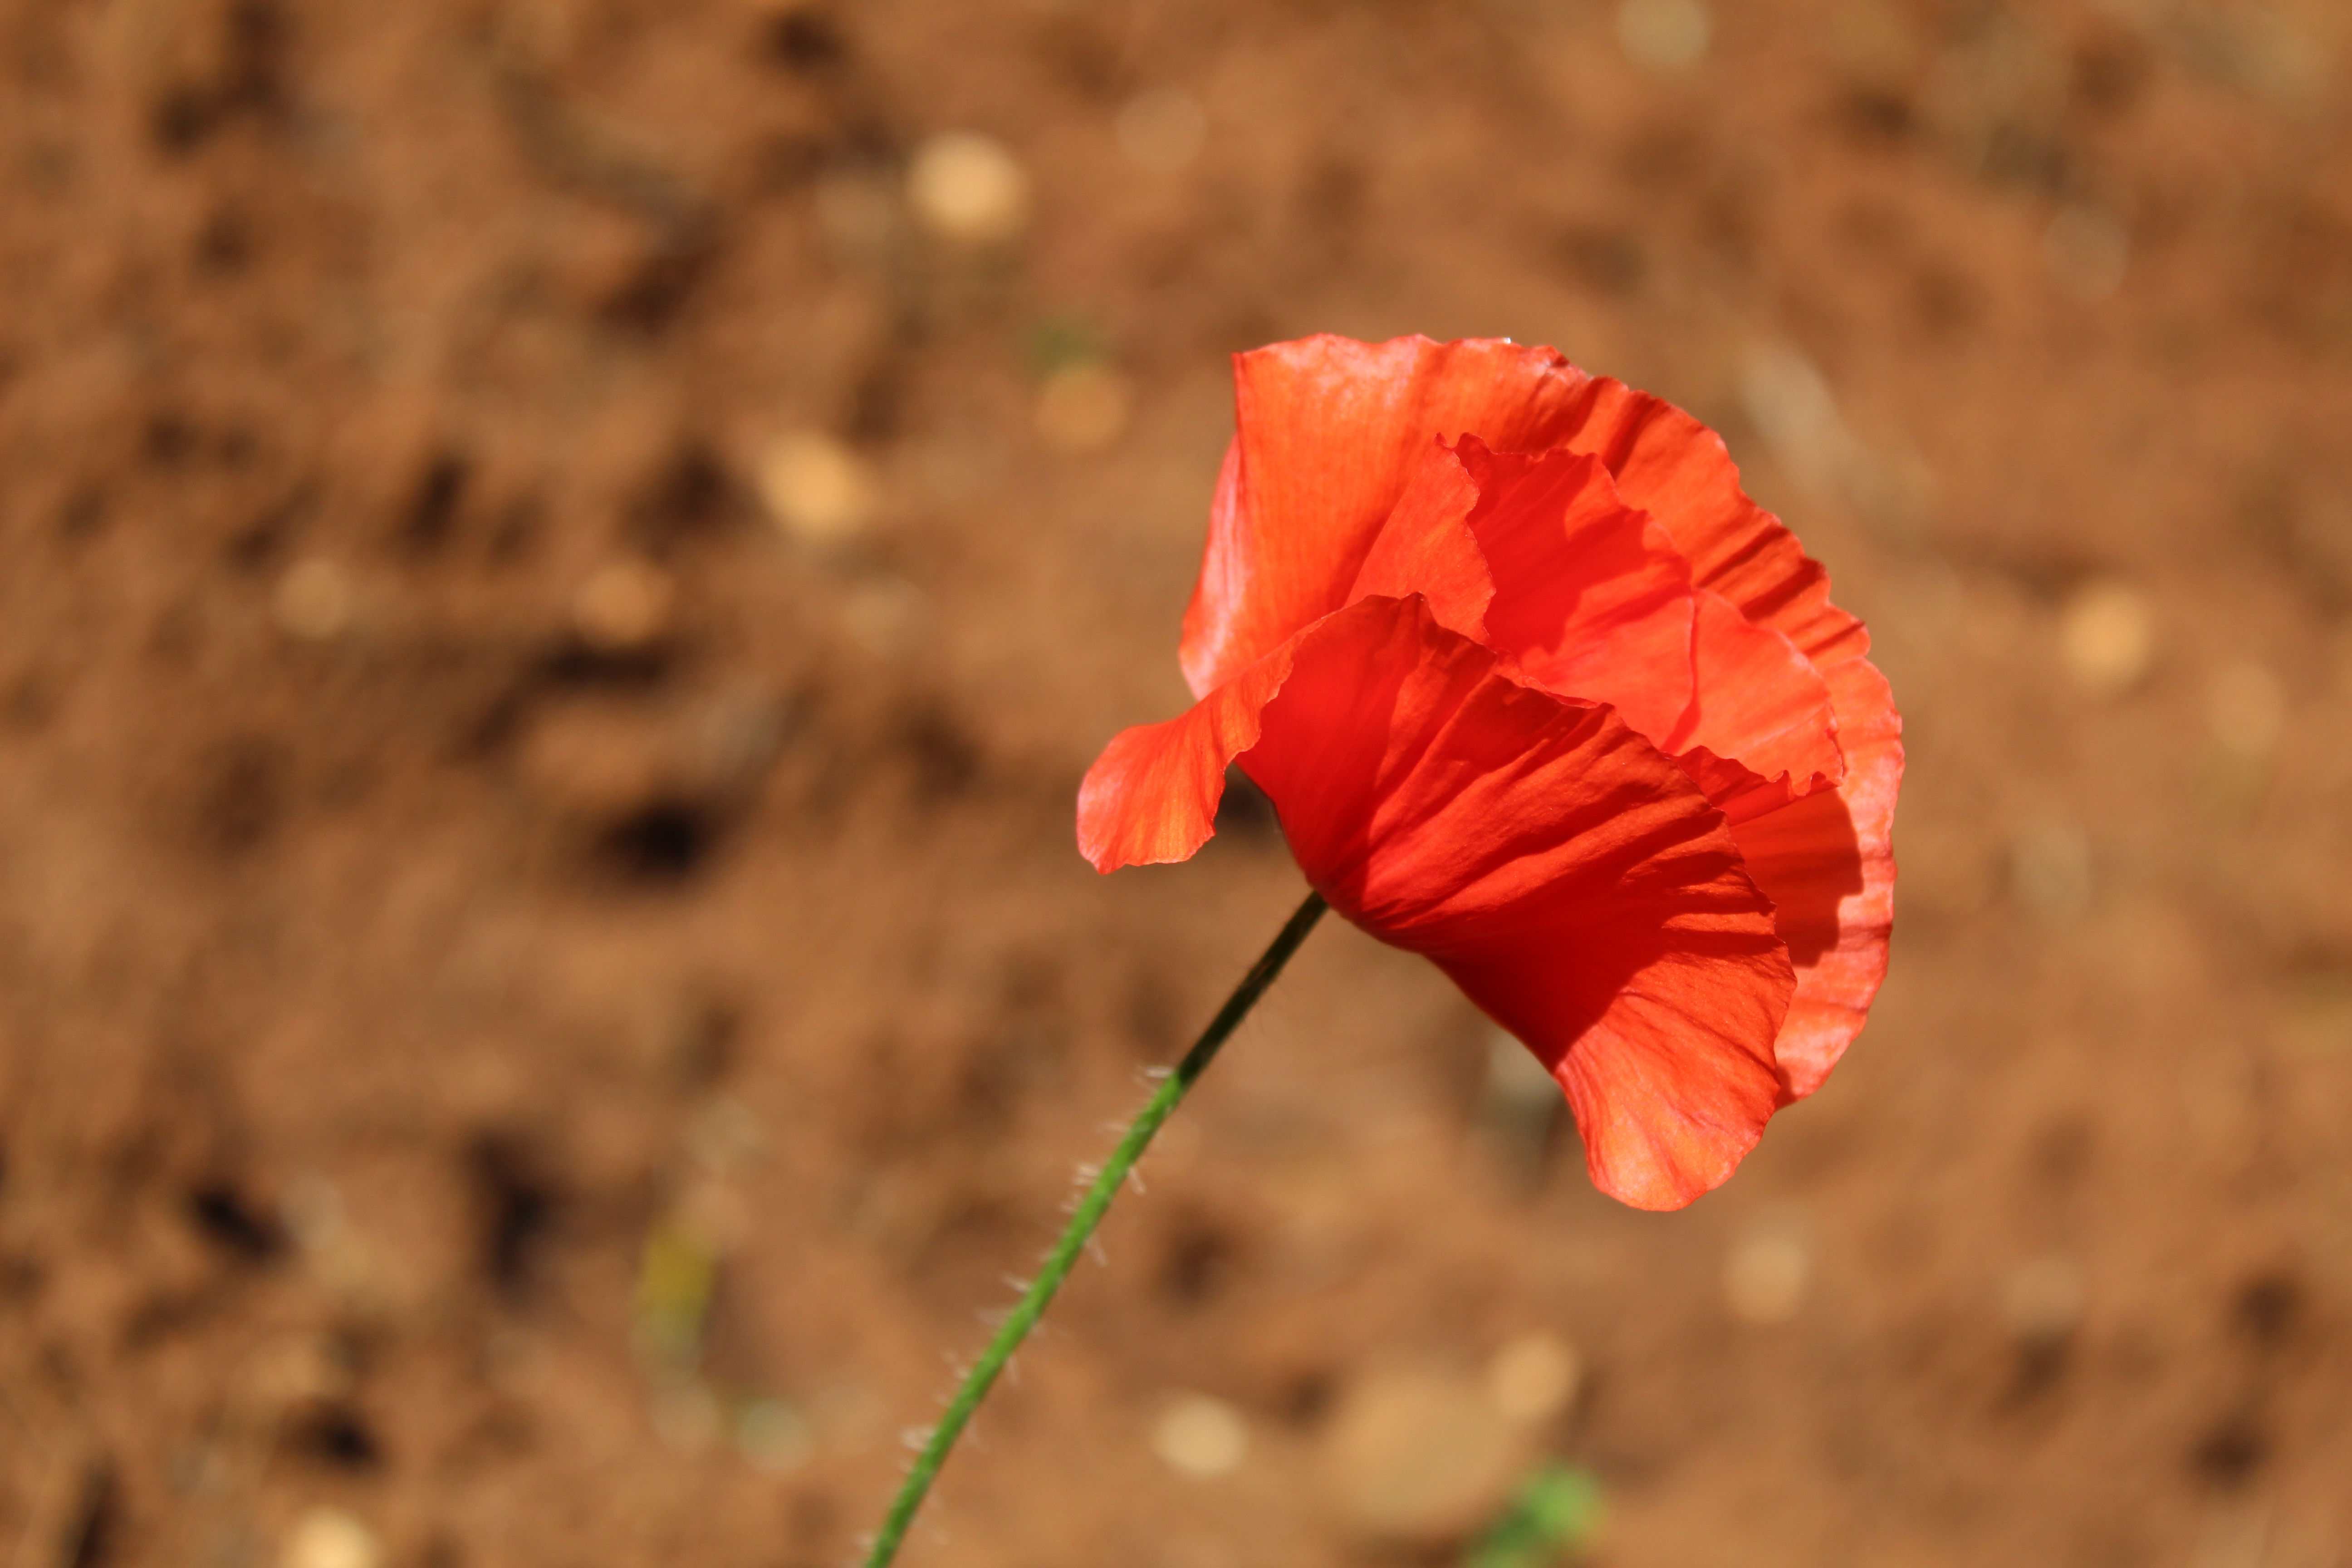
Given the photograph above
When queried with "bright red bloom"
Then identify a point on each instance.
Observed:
(1539, 692)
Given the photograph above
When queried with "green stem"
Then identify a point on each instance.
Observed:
(1089, 1213)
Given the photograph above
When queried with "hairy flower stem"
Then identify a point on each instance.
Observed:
(1081, 1228)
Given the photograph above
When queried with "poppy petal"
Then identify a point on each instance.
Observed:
(1566, 874)
(1328, 433)
(1428, 547)
(1827, 862)
(1152, 796)
(1831, 865)
(1758, 702)
(1535, 555)
(1679, 471)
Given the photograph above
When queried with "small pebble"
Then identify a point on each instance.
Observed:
(2245, 709)
(2042, 1300)
(1534, 1377)
(2106, 638)
(1415, 1455)
(816, 490)
(1664, 35)
(1201, 1436)
(312, 600)
(303, 1367)
(2236, 1533)
(885, 615)
(2051, 870)
(726, 1136)
(329, 1538)
(735, 733)
(2087, 252)
(1084, 407)
(1792, 406)
(1161, 129)
(1766, 1275)
(773, 1437)
(312, 1209)
(625, 607)
(968, 188)
(1200, 1551)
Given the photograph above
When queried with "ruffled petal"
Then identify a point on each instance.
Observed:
(1565, 873)
(1427, 547)
(1761, 703)
(1329, 431)
(1537, 556)
(1152, 796)
(1827, 862)
(1679, 471)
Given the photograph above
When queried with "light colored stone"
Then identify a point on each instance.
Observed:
(1792, 406)
(2042, 1301)
(773, 1437)
(299, 1368)
(312, 601)
(2235, 1532)
(1766, 1274)
(1419, 1455)
(726, 1136)
(968, 188)
(623, 605)
(2106, 638)
(1664, 35)
(2087, 251)
(329, 1538)
(1161, 129)
(1534, 1377)
(1200, 1551)
(1201, 1436)
(1084, 407)
(815, 489)
(2051, 870)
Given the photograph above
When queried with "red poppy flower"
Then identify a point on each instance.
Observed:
(1539, 692)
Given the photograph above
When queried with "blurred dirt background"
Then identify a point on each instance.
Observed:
(564, 559)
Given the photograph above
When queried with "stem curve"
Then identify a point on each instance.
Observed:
(1081, 1228)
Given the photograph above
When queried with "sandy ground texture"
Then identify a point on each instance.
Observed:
(563, 561)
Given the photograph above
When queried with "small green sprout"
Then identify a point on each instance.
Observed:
(1553, 1519)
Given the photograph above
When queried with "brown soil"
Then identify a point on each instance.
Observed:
(404, 992)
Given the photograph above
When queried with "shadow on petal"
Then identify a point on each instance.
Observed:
(1807, 859)
(1562, 870)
